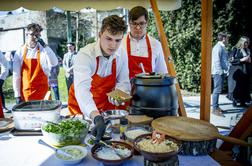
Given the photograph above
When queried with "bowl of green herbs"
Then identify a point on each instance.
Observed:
(66, 132)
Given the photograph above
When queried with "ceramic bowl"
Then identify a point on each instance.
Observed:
(95, 149)
(77, 152)
(156, 156)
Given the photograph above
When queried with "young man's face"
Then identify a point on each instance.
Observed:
(70, 48)
(32, 36)
(110, 43)
(138, 27)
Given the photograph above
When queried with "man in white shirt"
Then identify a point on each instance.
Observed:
(32, 65)
(99, 68)
(142, 48)
(3, 75)
(68, 64)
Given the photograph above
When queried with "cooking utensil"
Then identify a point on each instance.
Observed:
(42, 120)
(190, 129)
(48, 110)
(142, 67)
(111, 147)
(40, 141)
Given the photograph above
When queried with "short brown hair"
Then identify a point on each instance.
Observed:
(34, 27)
(114, 24)
(221, 35)
(137, 12)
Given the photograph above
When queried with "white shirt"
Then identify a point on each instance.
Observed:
(47, 60)
(68, 63)
(84, 69)
(140, 48)
(4, 67)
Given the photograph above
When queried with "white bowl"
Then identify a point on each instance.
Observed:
(76, 157)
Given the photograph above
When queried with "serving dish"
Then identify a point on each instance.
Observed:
(77, 154)
(117, 160)
(67, 132)
(156, 156)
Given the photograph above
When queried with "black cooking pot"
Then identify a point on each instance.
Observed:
(154, 95)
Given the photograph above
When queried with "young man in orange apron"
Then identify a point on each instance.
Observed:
(99, 68)
(142, 48)
(33, 63)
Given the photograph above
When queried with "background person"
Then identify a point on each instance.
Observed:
(219, 69)
(238, 78)
(68, 64)
(32, 65)
(3, 76)
(99, 68)
(142, 48)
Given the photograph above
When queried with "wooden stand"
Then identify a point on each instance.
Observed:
(242, 129)
(172, 161)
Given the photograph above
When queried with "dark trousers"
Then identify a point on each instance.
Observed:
(218, 81)
(69, 81)
(56, 92)
(1, 93)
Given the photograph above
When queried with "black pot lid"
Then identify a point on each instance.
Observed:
(152, 75)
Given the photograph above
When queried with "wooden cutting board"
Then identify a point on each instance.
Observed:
(190, 129)
(139, 119)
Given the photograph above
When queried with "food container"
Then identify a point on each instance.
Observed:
(154, 95)
(133, 132)
(67, 132)
(113, 117)
(156, 156)
(77, 152)
(109, 161)
(27, 114)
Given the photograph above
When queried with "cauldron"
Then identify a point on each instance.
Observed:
(154, 95)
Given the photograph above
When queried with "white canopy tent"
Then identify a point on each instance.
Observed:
(76, 5)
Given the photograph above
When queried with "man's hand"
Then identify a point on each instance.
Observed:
(99, 129)
(115, 102)
(18, 100)
(41, 42)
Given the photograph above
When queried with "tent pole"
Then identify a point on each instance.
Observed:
(167, 54)
(206, 54)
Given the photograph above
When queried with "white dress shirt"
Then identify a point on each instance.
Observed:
(85, 67)
(139, 48)
(3, 67)
(47, 60)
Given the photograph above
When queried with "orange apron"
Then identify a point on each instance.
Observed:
(1, 109)
(100, 86)
(134, 61)
(34, 83)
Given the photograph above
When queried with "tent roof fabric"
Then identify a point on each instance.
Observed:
(76, 5)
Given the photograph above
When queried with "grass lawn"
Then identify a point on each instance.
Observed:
(9, 94)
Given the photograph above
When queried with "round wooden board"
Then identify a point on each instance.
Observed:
(6, 124)
(185, 129)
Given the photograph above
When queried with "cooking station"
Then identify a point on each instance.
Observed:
(26, 151)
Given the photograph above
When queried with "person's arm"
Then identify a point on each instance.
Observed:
(64, 63)
(84, 68)
(160, 65)
(17, 64)
(122, 75)
(4, 67)
(50, 57)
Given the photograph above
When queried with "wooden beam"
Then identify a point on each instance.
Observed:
(241, 130)
(167, 54)
(206, 54)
